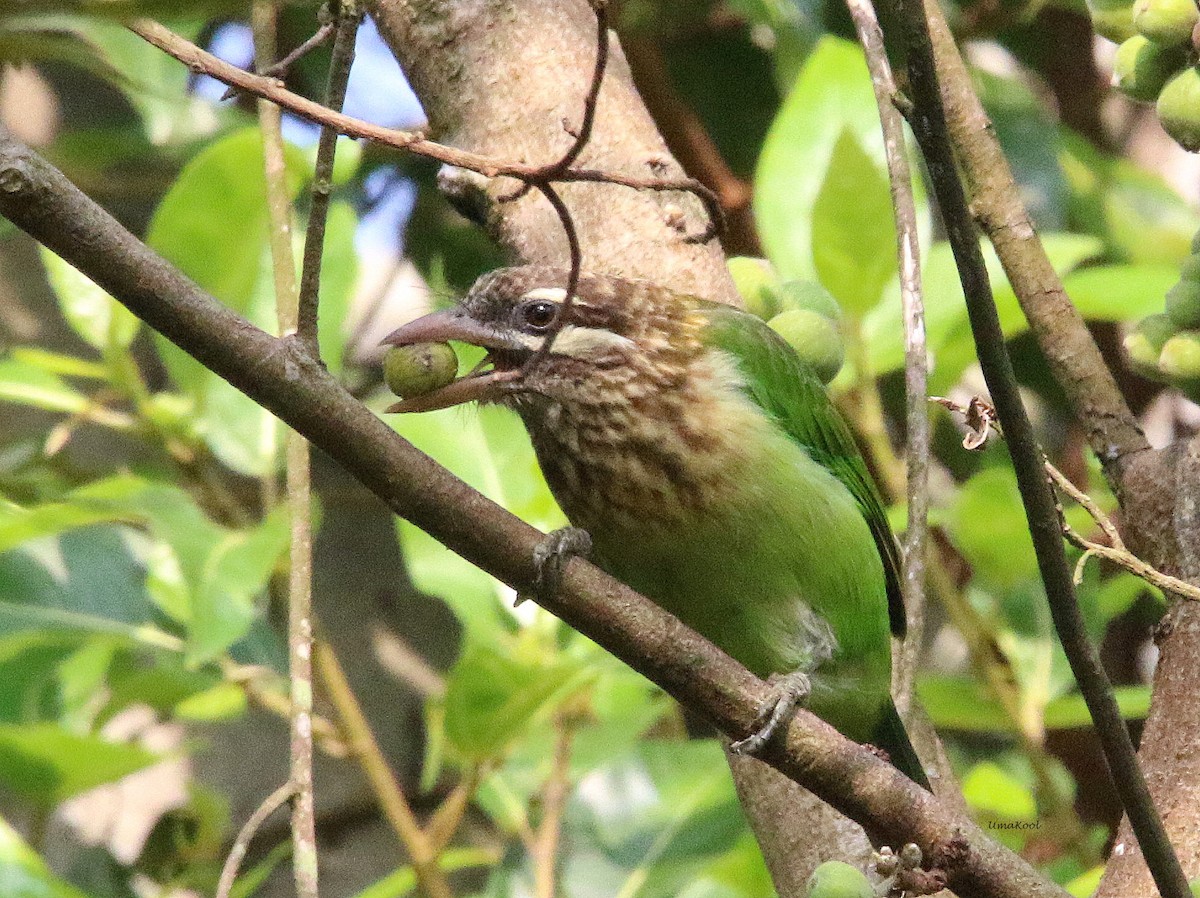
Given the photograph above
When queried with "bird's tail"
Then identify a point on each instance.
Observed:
(892, 737)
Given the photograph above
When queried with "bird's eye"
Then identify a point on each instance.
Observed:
(539, 314)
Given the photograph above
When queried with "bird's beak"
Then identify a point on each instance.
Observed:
(478, 385)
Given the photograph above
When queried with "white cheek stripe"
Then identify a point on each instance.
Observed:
(582, 342)
(578, 342)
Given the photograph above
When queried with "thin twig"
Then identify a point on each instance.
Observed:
(916, 359)
(980, 418)
(299, 499)
(554, 794)
(444, 823)
(576, 254)
(241, 844)
(1117, 552)
(348, 19)
(551, 171)
(420, 847)
(202, 62)
(281, 68)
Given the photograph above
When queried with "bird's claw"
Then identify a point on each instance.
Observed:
(788, 691)
(551, 555)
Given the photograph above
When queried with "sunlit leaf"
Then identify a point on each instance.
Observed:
(832, 96)
(100, 320)
(854, 239)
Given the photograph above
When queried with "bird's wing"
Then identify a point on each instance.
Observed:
(786, 388)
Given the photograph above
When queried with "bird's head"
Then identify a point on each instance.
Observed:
(614, 333)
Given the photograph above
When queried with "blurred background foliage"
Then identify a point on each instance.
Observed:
(143, 540)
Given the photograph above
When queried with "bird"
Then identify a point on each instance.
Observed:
(712, 472)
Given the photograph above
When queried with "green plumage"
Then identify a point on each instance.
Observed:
(713, 473)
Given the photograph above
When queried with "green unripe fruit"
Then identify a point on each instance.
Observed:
(419, 369)
(1145, 342)
(1167, 22)
(1180, 357)
(1113, 20)
(1183, 304)
(815, 339)
(1142, 67)
(809, 295)
(837, 879)
(1179, 108)
(757, 283)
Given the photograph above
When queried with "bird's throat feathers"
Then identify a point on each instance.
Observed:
(648, 442)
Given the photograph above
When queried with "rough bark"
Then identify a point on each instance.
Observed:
(502, 78)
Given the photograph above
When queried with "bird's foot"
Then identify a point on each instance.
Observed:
(788, 692)
(552, 554)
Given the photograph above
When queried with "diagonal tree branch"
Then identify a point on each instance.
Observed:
(281, 375)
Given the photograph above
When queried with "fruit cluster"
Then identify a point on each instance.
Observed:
(1166, 347)
(802, 312)
(1156, 62)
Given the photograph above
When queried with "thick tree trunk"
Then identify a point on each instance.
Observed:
(1161, 523)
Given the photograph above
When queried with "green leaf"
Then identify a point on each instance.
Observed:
(832, 96)
(213, 225)
(960, 703)
(491, 696)
(1070, 711)
(224, 701)
(56, 363)
(998, 795)
(948, 330)
(248, 883)
(28, 384)
(854, 238)
(205, 576)
(100, 320)
(987, 524)
(403, 880)
(1120, 292)
(28, 661)
(47, 764)
(81, 678)
(23, 872)
(1085, 885)
(339, 276)
(1141, 218)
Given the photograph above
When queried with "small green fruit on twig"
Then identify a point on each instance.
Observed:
(419, 369)
(1167, 22)
(757, 283)
(1179, 108)
(1144, 344)
(815, 339)
(809, 295)
(1183, 304)
(1180, 356)
(1112, 19)
(1142, 67)
(837, 879)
